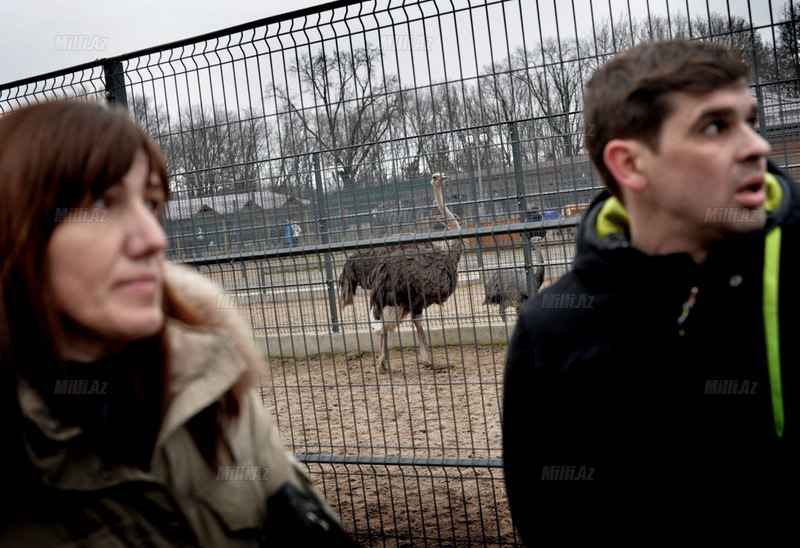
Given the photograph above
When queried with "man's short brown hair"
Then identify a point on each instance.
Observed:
(629, 96)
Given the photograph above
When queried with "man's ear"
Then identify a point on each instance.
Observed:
(624, 158)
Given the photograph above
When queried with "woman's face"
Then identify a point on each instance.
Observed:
(106, 266)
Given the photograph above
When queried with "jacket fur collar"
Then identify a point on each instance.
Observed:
(207, 361)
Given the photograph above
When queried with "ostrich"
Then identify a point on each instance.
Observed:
(510, 287)
(404, 279)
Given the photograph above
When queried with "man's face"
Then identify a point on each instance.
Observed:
(706, 180)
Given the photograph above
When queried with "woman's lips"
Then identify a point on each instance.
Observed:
(143, 285)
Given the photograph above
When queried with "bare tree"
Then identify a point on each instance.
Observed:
(789, 46)
(288, 168)
(555, 85)
(218, 151)
(433, 110)
(351, 106)
(738, 33)
(503, 94)
(155, 121)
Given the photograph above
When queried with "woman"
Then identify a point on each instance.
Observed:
(128, 402)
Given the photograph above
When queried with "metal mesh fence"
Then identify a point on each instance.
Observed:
(297, 141)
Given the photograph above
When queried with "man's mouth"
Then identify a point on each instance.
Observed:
(752, 194)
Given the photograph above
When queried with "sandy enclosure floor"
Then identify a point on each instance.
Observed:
(340, 405)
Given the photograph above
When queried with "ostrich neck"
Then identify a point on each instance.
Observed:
(450, 219)
(538, 250)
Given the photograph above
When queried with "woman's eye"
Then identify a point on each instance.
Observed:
(154, 205)
(101, 203)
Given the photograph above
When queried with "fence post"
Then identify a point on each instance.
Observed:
(476, 207)
(516, 153)
(762, 124)
(115, 83)
(324, 234)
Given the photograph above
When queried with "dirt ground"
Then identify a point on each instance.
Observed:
(341, 405)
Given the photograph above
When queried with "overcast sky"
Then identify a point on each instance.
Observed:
(29, 30)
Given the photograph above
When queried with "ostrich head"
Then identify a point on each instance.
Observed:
(437, 180)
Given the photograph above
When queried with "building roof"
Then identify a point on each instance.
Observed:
(180, 207)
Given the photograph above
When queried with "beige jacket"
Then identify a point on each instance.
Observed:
(108, 506)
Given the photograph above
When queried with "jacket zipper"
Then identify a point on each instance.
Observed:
(686, 309)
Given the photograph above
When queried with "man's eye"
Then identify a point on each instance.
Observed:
(715, 128)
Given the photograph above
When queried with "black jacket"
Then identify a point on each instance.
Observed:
(605, 385)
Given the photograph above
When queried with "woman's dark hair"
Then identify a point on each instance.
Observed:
(55, 156)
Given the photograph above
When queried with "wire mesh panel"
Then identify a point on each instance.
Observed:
(298, 142)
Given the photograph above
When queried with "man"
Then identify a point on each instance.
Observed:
(665, 359)
(533, 216)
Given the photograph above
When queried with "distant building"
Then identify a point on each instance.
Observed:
(232, 223)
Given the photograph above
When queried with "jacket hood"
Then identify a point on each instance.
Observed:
(604, 232)
(202, 296)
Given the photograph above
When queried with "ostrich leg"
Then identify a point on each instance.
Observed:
(383, 359)
(423, 342)
(539, 274)
(424, 349)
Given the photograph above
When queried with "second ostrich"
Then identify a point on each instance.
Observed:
(510, 287)
(404, 279)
